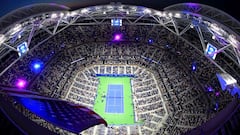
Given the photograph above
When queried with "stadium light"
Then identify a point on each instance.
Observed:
(210, 89)
(216, 29)
(117, 37)
(134, 8)
(15, 29)
(147, 11)
(170, 14)
(109, 7)
(150, 41)
(164, 14)
(177, 15)
(233, 41)
(36, 66)
(194, 66)
(73, 13)
(213, 37)
(19, 36)
(2, 38)
(97, 8)
(68, 14)
(61, 14)
(84, 11)
(158, 13)
(191, 26)
(54, 15)
(120, 8)
(21, 83)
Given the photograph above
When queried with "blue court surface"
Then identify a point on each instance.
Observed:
(114, 99)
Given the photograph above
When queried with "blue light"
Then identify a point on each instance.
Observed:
(216, 106)
(210, 89)
(36, 66)
(167, 46)
(150, 41)
(194, 66)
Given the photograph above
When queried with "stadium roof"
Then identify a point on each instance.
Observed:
(210, 22)
(227, 6)
(29, 10)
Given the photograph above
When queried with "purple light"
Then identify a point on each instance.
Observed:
(192, 4)
(194, 7)
(21, 83)
(117, 37)
(217, 94)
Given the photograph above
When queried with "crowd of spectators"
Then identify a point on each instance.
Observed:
(168, 96)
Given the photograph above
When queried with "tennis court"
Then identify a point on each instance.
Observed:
(114, 99)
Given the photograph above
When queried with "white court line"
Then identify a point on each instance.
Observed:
(115, 103)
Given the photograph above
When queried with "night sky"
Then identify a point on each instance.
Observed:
(225, 5)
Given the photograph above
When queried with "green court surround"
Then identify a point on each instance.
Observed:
(126, 118)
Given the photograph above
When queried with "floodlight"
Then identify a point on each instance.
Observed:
(36, 66)
(194, 66)
(147, 11)
(21, 83)
(61, 14)
(232, 39)
(54, 15)
(213, 37)
(117, 37)
(158, 13)
(216, 29)
(164, 14)
(2, 38)
(15, 29)
(150, 41)
(170, 14)
(84, 11)
(177, 15)
(73, 13)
